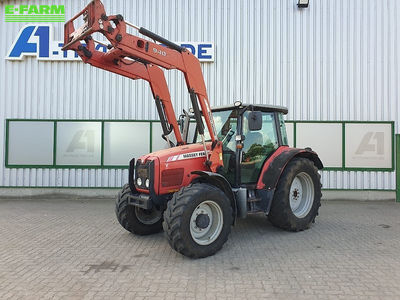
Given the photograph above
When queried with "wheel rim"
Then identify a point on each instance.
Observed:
(148, 216)
(206, 222)
(301, 195)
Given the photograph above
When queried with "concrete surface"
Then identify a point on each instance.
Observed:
(76, 250)
(58, 193)
(358, 195)
(106, 193)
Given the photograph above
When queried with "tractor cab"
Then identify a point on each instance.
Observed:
(250, 134)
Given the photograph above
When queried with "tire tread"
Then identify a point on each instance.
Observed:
(173, 220)
(127, 218)
(280, 214)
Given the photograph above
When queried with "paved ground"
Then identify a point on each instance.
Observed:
(76, 249)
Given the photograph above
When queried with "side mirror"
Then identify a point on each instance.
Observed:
(255, 120)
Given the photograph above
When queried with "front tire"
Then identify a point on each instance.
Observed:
(134, 219)
(198, 220)
(297, 197)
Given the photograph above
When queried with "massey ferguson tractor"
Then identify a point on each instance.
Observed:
(237, 163)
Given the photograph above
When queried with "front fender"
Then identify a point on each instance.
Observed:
(218, 181)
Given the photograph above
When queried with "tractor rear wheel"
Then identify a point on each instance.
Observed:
(198, 220)
(134, 219)
(297, 197)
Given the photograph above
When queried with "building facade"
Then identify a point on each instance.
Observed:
(333, 61)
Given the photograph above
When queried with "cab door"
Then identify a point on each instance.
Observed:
(257, 146)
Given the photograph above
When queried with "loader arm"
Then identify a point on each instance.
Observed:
(135, 70)
(127, 48)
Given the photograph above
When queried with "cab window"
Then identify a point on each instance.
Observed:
(258, 146)
(225, 125)
(282, 127)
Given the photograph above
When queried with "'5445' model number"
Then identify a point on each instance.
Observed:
(163, 53)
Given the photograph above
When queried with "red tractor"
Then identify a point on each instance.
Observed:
(239, 163)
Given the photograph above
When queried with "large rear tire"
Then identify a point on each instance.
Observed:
(134, 219)
(297, 197)
(198, 220)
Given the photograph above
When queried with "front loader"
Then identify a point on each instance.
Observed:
(238, 163)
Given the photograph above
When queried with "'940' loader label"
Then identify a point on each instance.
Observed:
(157, 51)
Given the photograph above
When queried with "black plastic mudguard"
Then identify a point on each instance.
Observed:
(274, 171)
(271, 176)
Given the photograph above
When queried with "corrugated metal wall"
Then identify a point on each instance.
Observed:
(336, 60)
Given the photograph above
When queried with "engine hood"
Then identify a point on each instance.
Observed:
(178, 153)
(173, 167)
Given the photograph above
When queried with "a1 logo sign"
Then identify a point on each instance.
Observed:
(83, 140)
(37, 40)
(372, 142)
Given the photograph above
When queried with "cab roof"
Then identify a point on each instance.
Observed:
(257, 107)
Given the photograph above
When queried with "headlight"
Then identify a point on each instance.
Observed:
(147, 183)
(139, 181)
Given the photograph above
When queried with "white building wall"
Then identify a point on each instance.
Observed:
(336, 60)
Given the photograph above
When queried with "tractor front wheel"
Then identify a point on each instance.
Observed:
(198, 220)
(297, 197)
(135, 219)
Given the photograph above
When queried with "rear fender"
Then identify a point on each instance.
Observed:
(220, 182)
(274, 167)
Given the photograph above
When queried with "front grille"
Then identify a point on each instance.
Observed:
(172, 177)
